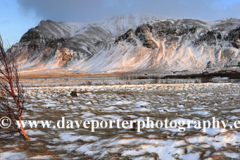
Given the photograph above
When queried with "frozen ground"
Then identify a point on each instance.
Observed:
(129, 102)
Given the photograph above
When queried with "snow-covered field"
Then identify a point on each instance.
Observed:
(129, 102)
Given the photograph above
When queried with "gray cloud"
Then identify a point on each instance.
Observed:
(94, 10)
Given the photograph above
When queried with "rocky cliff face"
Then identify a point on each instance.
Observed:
(50, 39)
(131, 43)
(177, 45)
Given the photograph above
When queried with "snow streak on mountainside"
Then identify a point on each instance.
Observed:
(131, 43)
(123, 22)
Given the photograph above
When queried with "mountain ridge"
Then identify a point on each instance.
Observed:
(130, 43)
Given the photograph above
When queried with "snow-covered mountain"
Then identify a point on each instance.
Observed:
(124, 22)
(131, 43)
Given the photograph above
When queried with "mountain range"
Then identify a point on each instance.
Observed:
(130, 43)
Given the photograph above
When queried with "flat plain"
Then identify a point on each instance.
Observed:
(199, 101)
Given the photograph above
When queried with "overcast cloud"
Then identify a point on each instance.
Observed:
(94, 10)
(17, 16)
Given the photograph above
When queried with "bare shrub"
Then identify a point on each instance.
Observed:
(12, 94)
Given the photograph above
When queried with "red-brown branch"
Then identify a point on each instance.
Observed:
(14, 97)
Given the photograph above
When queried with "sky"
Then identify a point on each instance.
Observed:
(17, 16)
